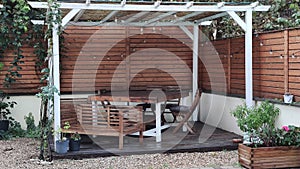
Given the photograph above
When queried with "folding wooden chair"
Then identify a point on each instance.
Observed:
(185, 113)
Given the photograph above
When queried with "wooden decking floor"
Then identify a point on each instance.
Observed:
(207, 138)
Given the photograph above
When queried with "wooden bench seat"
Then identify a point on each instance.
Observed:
(111, 121)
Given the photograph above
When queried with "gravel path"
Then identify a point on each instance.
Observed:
(22, 153)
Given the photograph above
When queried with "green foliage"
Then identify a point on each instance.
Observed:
(282, 14)
(75, 136)
(5, 106)
(14, 24)
(15, 130)
(60, 131)
(255, 118)
(258, 121)
(32, 131)
(288, 136)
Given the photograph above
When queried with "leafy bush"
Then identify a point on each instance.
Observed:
(15, 130)
(258, 122)
(32, 131)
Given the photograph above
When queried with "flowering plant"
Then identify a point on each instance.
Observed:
(288, 136)
(259, 125)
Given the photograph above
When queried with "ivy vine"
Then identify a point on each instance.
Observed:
(14, 21)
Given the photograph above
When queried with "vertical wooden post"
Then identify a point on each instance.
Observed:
(127, 57)
(228, 66)
(286, 61)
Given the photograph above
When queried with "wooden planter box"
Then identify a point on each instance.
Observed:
(269, 157)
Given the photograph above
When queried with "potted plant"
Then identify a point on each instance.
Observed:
(62, 145)
(75, 140)
(5, 108)
(266, 146)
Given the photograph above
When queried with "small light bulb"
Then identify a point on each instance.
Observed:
(271, 51)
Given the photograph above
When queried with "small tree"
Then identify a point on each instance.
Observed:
(258, 121)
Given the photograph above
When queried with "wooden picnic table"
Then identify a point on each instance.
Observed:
(155, 96)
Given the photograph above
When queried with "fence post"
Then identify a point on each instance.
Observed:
(127, 56)
(229, 66)
(286, 61)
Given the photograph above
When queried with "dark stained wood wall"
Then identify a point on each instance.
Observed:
(30, 80)
(275, 71)
(118, 58)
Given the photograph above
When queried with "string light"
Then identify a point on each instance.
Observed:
(281, 56)
(271, 52)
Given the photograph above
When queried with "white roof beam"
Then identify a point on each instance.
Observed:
(237, 19)
(69, 16)
(136, 17)
(110, 15)
(219, 15)
(132, 24)
(141, 7)
(159, 17)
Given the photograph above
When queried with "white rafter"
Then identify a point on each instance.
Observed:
(136, 17)
(79, 15)
(219, 15)
(188, 16)
(110, 15)
(237, 19)
(69, 16)
(187, 32)
(159, 17)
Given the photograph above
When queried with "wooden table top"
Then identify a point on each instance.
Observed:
(149, 96)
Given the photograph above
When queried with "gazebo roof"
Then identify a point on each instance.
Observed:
(146, 13)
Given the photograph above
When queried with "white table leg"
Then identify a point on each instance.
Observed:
(158, 121)
(184, 102)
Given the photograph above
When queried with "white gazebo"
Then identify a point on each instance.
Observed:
(191, 14)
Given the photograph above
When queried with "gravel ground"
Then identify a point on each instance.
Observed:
(22, 153)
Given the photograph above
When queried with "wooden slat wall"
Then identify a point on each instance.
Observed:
(158, 59)
(274, 73)
(30, 80)
(214, 69)
(97, 57)
(121, 57)
(294, 64)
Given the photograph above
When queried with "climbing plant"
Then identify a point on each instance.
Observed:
(16, 29)
(282, 14)
(14, 21)
(53, 21)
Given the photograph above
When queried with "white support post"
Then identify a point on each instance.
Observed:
(195, 67)
(56, 80)
(248, 58)
(158, 121)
